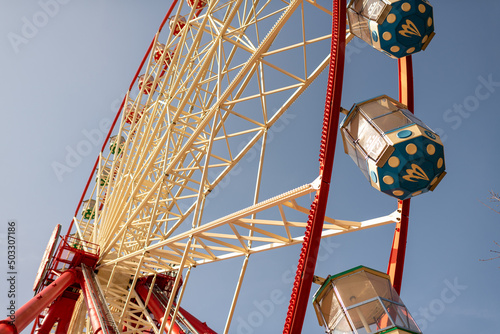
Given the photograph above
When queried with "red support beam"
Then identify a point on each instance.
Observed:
(100, 317)
(156, 307)
(310, 247)
(91, 309)
(398, 251)
(29, 311)
(61, 312)
(405, 66)
(200, 327)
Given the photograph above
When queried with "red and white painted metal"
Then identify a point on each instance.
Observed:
(183, 138)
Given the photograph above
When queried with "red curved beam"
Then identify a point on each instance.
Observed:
(398, 251)
(169, 12)
(309, 253)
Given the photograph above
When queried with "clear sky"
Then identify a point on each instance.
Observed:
(66, 76)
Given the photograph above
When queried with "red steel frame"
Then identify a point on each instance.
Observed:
(62, 274)
(60, 312)
(157, 308)
(93, 309)
(308, 257)
(28, 312)
(307, 262)
(398, 251)
(310, 247)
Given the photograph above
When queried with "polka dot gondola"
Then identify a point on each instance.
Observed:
(398, 30)
(397, 152)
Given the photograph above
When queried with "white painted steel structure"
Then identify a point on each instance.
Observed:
(229, 79)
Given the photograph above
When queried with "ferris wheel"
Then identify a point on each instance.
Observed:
(207, 94)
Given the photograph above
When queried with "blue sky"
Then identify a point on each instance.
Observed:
(66, 78)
